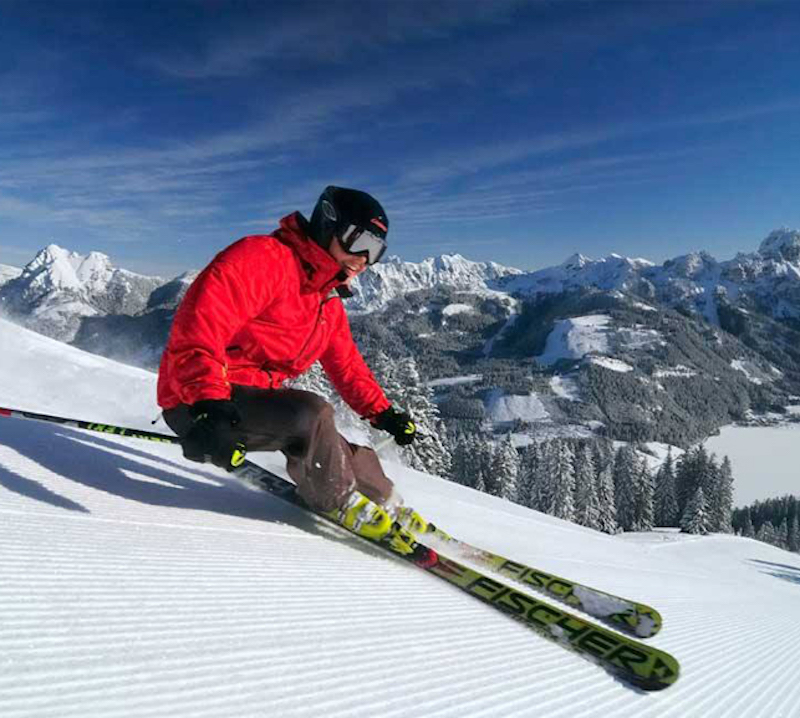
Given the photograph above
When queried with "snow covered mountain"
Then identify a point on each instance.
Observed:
(59, 291)
(767, 280)
(137, 584)
(395, 278)
(58, 288)
(619, 345)
(8, 272)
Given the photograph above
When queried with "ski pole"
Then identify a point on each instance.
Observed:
(237, 458)
(93, 426)
(119, 430)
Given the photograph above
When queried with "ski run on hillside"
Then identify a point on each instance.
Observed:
(135, 583)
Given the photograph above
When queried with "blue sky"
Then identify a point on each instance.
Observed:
(519, 132)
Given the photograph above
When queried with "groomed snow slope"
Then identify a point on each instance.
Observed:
(133, 583)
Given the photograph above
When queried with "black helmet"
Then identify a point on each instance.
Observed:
(354, 217)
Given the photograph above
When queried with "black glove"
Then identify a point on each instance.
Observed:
(213, 434)
(397, 423)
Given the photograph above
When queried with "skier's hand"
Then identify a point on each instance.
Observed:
(397, 423)
(213, 435)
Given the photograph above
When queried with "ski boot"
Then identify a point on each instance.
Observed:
(371, 521)
(411, 521)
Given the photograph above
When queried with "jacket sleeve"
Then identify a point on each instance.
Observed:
(236, 287)
(348, 371)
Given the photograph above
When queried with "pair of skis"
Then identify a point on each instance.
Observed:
(629, 659)
(634, 662)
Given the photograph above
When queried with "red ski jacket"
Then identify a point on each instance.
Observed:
(264, 310)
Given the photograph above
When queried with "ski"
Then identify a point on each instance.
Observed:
(635, 618)
(635, 663)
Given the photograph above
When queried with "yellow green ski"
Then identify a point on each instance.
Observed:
(624, 614)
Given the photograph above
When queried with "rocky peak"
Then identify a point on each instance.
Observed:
(57, 269)
(782, 245)
(575, 262)
(57, 288)
(691, 265)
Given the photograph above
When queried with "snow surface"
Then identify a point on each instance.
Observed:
(565, 387)
(679, 370)
(452, 309)
(456, 380)
(134, 583)
(611, 364)
(575, 338)
(502, 407)
(591, 337)
(748, 369)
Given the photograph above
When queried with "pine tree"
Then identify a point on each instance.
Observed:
(587, 506)
(485, 457)
(607, 517)
(627, 472)
(542, 485)
(782, 535)
(563, 478)
(695, 517)
(793, 540)
(766, 533)
(689, 473)
(602, 454)
(710, 481)
(527, 476)
(643, 499)
(505, 468)
(480, 484)
(665, 499)
(402, 383)
(474, 460)
(747, 528)
(461, 470)
(725, 504)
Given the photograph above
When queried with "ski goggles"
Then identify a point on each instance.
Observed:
(357, 240)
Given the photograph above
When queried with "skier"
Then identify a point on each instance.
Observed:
(263, 311)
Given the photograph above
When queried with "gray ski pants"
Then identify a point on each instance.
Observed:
(323, 464)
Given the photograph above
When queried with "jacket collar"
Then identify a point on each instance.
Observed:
(320, 271)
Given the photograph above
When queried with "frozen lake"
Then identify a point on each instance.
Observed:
(766, 460)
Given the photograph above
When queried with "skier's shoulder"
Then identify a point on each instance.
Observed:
(255, 250)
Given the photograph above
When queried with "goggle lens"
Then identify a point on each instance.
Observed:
(357, 240)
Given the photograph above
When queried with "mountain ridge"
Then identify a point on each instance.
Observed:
(705, 342)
